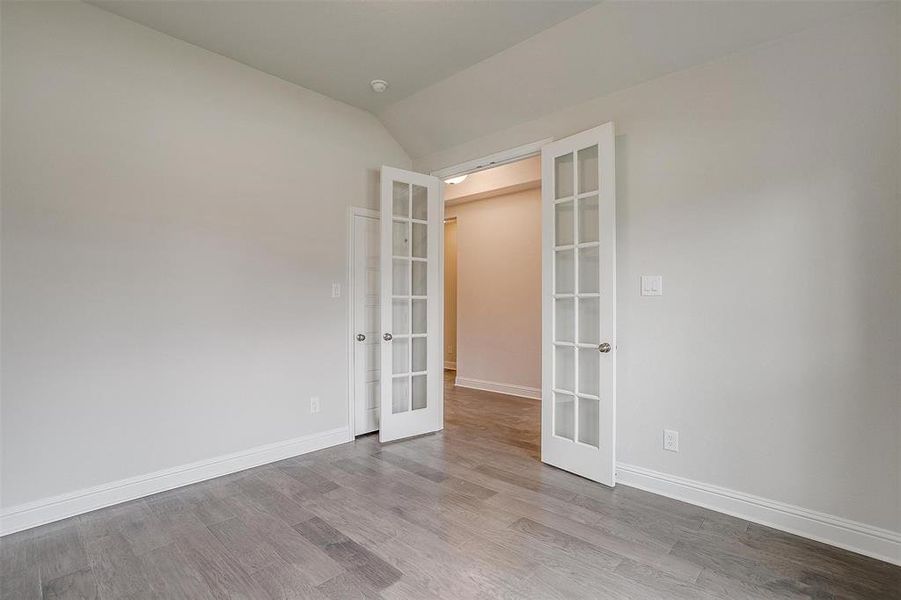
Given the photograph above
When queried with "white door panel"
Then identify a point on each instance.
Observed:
(412, 227)
(366, 315)
(578, 422)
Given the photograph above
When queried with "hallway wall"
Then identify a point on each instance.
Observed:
(450, 294)
(499, 291)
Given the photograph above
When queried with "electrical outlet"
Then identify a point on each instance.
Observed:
(314, 404)
(670, 440)
(336, 290)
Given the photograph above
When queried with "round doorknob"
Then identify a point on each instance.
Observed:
(605, 347)
(361, 337)
(387, 337)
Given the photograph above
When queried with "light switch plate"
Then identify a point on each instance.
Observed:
(336, 290)
(651, 285)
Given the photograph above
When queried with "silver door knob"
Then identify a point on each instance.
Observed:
(605, 347)
(387, 337)
(361, 337)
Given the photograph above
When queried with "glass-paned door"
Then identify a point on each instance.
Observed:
(579, 304)
(412, 226)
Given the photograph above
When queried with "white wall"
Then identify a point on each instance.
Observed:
(172, 224)
(764, 188)
(609, 47)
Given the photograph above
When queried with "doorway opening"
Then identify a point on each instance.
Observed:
(576, 295)
(492, 302)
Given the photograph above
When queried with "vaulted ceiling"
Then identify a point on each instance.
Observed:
(461, 70)
(336, 47)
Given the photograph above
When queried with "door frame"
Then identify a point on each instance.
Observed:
(352, 213)
(490, 161)
(473, 165)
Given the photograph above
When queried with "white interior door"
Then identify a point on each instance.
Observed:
(412, 227)
(578, 404)
(366, 315)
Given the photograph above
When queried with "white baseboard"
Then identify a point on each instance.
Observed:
(501, 388)
(450, 365)
(836, 531)
(48, 510)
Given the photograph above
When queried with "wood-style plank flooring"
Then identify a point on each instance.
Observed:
(466, 513)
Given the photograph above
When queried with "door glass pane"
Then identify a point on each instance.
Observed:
(589, 371)
(400, 394)
(589, 320)
(401, 240)
(401, 199)
(420, 203)
(588, 270)
(564, 416)
(588, 219)
(588, 169)
(420, 247)
(401, 313)
(563, 272)
(400, 355)
(564, 368)
(420, 316)
(401, 278)
(564, 324)
(589, 421)
(419, 278)
(563, 223)
(420, 391)
(419, 362)
(563, 176)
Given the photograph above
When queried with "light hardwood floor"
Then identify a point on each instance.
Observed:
(466, 513)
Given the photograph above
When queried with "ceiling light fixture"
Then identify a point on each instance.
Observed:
(378, 85)
(455, 180)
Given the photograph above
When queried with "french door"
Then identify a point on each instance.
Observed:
(578, 405)
(412, 224)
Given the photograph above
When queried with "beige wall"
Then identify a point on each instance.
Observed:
(172, 224)
(499, 289)
(764, 187)
(450, 293)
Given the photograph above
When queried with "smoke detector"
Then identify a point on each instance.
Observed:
(378, 85)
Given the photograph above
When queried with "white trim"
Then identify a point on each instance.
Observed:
(48, 510)
(450, 365)
(352, 213)
(510, 389)
(875, 542)
(492, 160)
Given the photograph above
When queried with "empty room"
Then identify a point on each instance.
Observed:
(450, 299)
